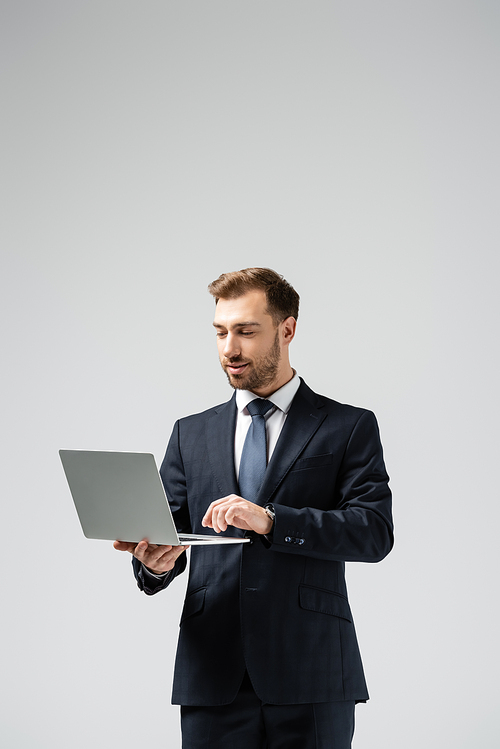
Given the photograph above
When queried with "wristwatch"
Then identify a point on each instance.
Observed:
(269, 510)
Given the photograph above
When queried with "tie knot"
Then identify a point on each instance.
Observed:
(259, 407)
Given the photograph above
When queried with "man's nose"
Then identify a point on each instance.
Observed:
(231, 347)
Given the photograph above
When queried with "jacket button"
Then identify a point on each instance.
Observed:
(288, 540)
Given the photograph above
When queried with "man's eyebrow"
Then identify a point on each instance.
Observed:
(238, 325)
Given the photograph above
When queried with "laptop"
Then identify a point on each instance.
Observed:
(120, 496)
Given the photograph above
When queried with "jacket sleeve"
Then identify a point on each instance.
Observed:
(174, 481)
(359, 528)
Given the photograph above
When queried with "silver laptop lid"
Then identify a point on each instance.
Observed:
(120, 496)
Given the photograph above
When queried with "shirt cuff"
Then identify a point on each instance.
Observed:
(156, 575)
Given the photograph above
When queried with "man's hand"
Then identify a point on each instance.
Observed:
(240, 513)
(158, 559)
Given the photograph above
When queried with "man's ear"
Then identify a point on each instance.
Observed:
(288, 329)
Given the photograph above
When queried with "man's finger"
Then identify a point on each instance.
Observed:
(123, 546)
(142, 546)
(166, 560)
(157, 555)
(208, 519)
(231, 515)
(221, 521)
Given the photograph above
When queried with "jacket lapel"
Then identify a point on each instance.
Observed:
(303, 420)
(220, 444)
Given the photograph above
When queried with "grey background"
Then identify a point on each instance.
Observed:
(148, 147)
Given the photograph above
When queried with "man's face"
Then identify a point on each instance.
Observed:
(249, 344)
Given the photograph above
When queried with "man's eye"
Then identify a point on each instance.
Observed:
(220, 335)
(247, 332)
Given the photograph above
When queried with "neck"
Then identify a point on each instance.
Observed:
(268, 390)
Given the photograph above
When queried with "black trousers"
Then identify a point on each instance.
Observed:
(247, 723)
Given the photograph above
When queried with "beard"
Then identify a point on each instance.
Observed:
(262, 372)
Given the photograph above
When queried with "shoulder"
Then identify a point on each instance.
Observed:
(203, 416)
(331, 405)
(344, 413)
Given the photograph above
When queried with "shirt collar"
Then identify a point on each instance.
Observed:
(282, 398)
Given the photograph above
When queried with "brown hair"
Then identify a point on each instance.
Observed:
(282, 299)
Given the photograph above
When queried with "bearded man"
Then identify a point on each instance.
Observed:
(267, 653)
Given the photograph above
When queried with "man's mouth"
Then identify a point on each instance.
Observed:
(236, 368)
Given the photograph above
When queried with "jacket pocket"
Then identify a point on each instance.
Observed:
(324, 602)
(313, 461)
(193, 604)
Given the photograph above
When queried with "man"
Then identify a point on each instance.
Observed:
(267, 653)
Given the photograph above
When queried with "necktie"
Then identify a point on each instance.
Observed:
(254, 455)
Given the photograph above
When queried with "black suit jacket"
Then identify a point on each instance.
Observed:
(279, 609)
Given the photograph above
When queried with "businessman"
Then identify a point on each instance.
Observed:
(267, 654)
